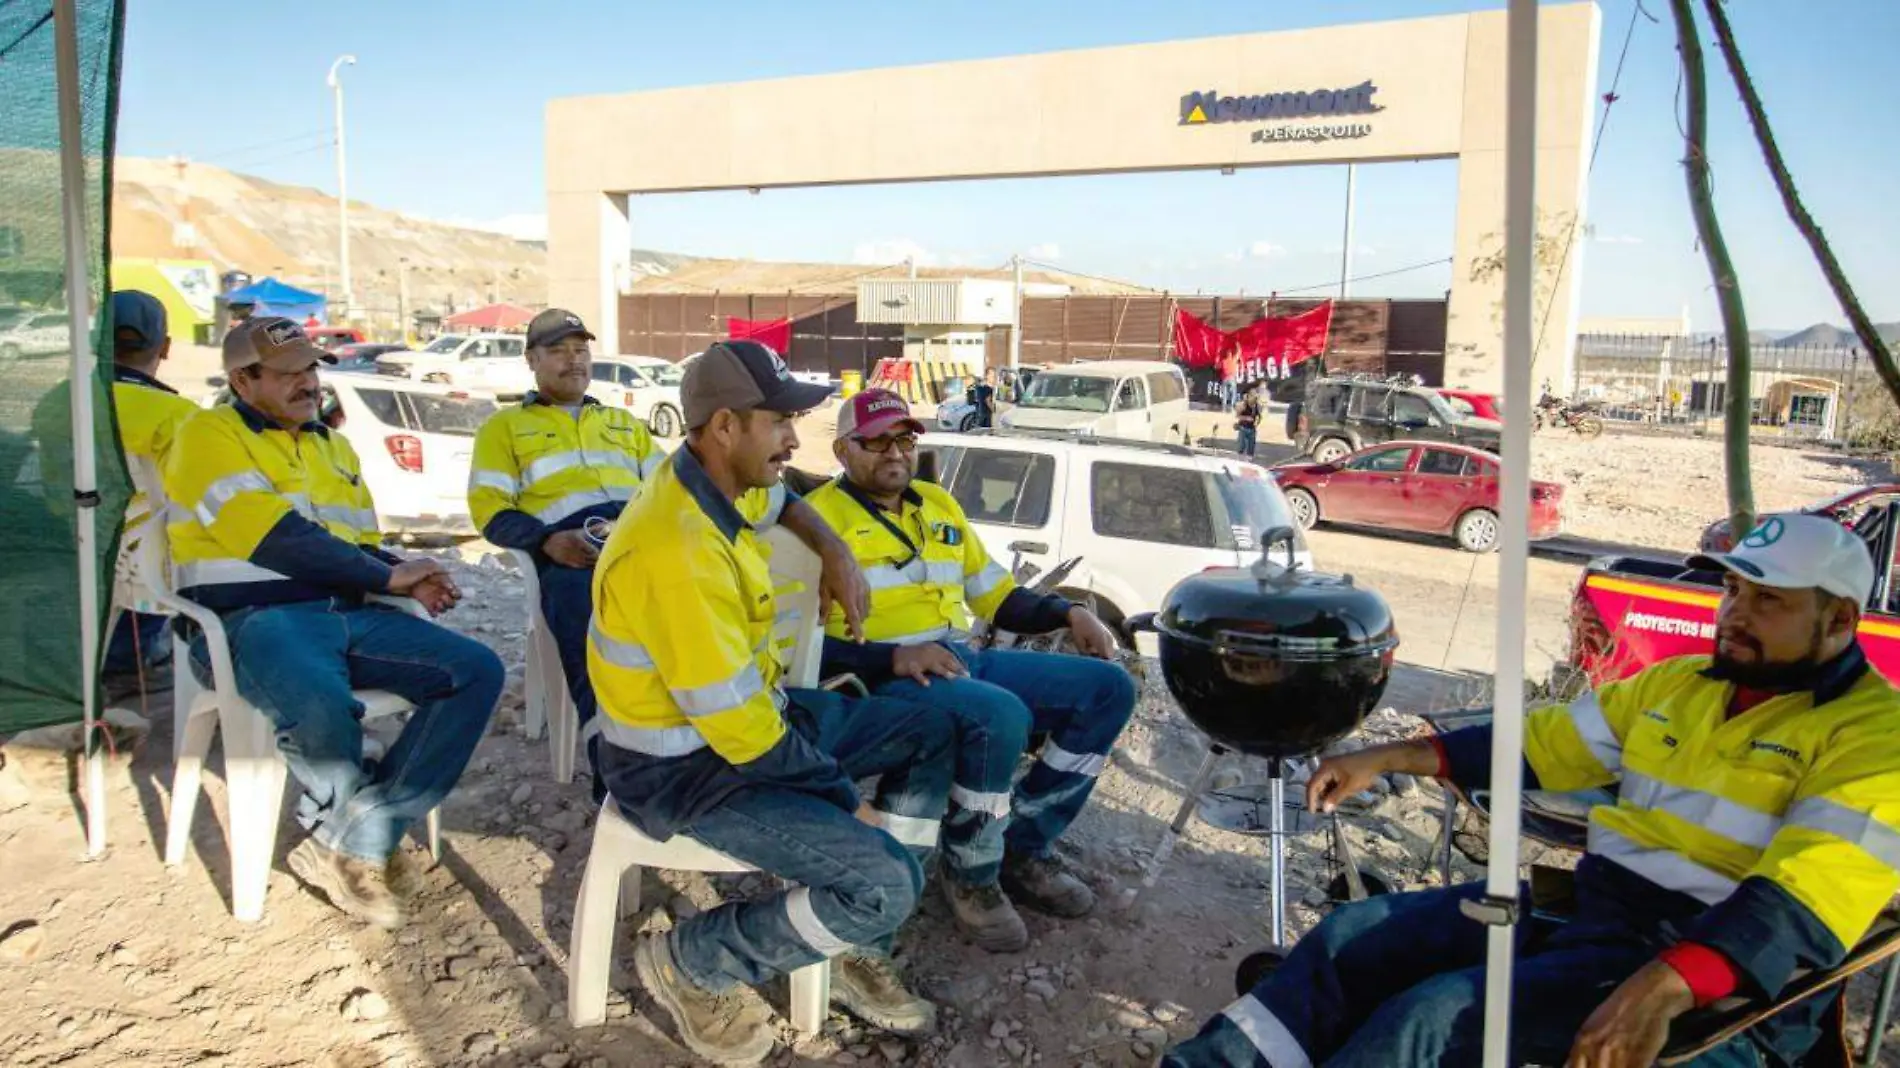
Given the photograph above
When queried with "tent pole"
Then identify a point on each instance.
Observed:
(72, 171)
(1507, 739)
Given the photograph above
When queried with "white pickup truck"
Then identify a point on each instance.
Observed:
(494, 363)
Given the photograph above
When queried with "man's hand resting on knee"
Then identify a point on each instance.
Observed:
(1629, 1029)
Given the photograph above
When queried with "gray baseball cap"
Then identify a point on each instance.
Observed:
(277, 343)
(743, 376)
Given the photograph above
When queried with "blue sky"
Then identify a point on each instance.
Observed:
(446, 106)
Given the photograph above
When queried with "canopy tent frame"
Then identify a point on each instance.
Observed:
(72, 182)
(1500, 907)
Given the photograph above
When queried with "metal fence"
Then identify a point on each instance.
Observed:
(1680, 384)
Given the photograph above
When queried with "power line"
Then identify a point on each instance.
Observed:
(1124, 283)
(1334, 283)
(245, 150)
(1603, 124)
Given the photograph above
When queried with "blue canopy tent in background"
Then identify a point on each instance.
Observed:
(272, 297)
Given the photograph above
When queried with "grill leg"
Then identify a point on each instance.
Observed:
(1277, 824)
(1182, 816)
(1445, 832)
(1883, 1007)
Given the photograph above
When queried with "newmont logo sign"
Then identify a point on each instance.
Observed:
(1211, 107)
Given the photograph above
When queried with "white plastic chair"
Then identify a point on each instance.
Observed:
(254, 770)
(544, 685)
(610, 886)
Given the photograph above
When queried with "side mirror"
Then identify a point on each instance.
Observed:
(1029, 548)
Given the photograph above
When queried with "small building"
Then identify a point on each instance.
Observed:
(947, 319)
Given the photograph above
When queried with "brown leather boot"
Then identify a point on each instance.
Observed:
(354, 886)
(986, 916)
(732, 1027)
(869, 987)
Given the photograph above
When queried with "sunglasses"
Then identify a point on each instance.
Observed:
(905, 442)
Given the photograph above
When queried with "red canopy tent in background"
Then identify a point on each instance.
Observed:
(774, 334)
(492, 317)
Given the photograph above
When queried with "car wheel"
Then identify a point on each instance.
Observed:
(664, 421)
(1305, 508)
(1330, 450)
(967, 423)
(1477, 531)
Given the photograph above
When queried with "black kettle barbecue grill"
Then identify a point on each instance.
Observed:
(1275, 662)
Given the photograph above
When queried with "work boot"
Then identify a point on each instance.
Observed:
(1047, 885)
(726, 1028)
(986, 917)
(354, 886)
(868, 987)
(404, 874)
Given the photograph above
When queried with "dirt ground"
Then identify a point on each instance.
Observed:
(140, 964)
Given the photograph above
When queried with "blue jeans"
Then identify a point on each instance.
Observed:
(1247, 438)
(855, 883)
(298, 663)
(1398, 982)
(567, 604)
(1080, 703)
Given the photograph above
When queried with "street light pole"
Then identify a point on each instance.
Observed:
(342, 188)
(1016, 325)
(1345, 250)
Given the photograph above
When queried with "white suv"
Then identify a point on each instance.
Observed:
(1141, 516)
(647, 386)
(414, 440)
(496, 363)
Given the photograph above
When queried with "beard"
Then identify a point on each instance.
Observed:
(1787, 676)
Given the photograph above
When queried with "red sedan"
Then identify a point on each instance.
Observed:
(1417, 486)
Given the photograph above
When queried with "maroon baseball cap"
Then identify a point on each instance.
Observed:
(873, 414)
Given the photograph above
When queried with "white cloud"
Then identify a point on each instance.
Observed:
(1265, 250)
(1358, 251)
(893, 250)
(1048, 251)
(1617, 239)
(521, 227)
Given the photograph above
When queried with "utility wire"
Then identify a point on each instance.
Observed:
(1334, 283)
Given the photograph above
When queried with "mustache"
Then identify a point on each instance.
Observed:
(307, 395)
(783, 457)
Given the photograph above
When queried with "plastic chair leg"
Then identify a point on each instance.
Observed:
(534, 690)
(254, 841)
(591, 945)
(811, 997)
(563, 725)
(185, 691)
(432, 825)
(192, 745)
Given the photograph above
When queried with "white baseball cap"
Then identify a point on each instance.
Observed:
(1799, 552)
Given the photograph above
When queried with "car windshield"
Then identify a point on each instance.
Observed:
(451, 414)
(1066, 392)
(445, 343)
(1254, 506)
(666, 374)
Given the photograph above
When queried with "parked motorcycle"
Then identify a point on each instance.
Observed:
(1554, 411)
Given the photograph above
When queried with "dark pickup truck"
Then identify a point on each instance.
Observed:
(1630, 612)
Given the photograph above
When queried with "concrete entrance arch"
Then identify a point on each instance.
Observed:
(1376, 92)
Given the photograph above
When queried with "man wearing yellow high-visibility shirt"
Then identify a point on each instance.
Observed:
(547, 468)
(1755, 832)
(930, 578)
(700, 736)
(149, 415)
(273, 528)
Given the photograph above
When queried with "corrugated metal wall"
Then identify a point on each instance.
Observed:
(1369, 336)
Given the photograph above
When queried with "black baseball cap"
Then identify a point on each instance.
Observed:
(554, 325)
(743, 376)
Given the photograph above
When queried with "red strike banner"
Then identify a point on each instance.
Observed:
(1263, 349)
(774, 334)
